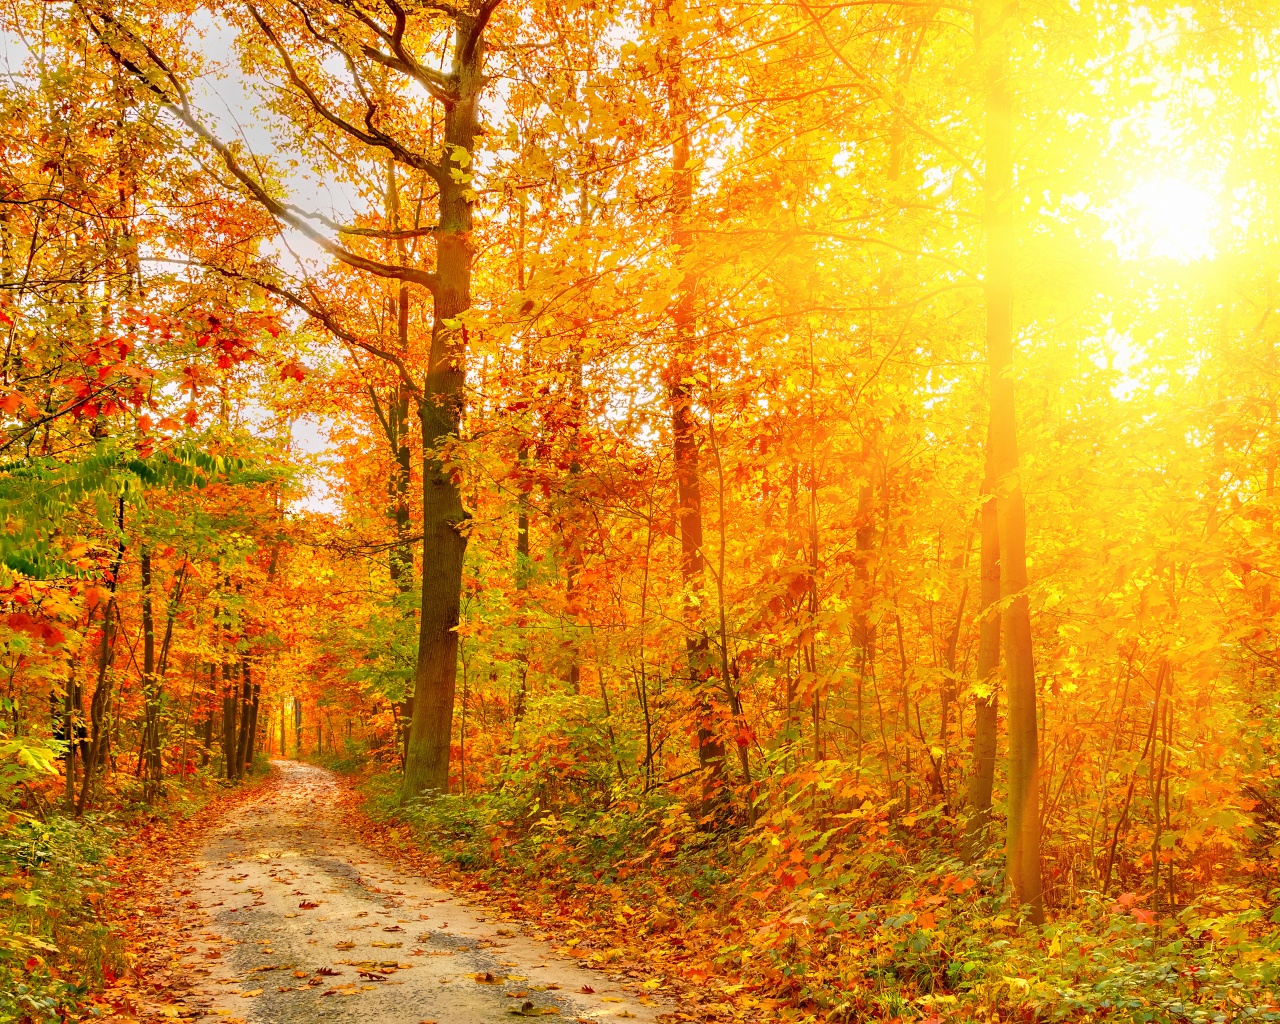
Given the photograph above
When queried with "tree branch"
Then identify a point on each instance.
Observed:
(181, 108)
(477, 29)
(369, 135)
(316, 312)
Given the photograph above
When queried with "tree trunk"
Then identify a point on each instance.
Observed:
(149, 767)
(986, 705)
(243, 752)
(95, 752)
(228, 721)
(207, 744)
(396, 422)
(444, 520)
(522, 566)
(251, 745)
(1022, 840)
(684, 436)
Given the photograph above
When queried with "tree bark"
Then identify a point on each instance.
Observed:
(228, 720)
(1022, 839)
(251, 745)
(522, 565)
(151, 701)
(243, 753)
(95, 751)
(684, 432)
(986, 706)
(444, 520)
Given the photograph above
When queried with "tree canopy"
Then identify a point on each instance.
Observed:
(832, 447)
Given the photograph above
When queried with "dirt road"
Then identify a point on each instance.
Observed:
(293, 921)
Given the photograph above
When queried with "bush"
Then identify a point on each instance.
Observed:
(48, 922)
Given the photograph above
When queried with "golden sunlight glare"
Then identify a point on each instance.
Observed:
(1166, 218)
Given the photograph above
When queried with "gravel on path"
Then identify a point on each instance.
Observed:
(295, 922)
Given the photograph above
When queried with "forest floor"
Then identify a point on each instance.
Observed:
(284, 915)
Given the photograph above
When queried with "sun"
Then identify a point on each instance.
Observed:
(1165, 218)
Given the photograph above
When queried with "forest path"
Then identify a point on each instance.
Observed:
(291, 919)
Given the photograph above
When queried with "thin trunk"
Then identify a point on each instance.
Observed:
(151, 708)
(986, 702)
(228, 720)
(396, 422)
(95, 753)
(684, 430)
(864, 540)
(251, 746)
(522, 514)
(243, 752)
(1022, 838)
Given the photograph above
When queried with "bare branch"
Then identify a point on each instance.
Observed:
(181, 108)
(438, 85)
(370, 135)
(316, 312)
(351, 229)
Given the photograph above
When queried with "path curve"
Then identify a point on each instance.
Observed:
(294, 920)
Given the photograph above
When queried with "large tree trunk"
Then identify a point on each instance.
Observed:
(1022, 841)
(444, 520)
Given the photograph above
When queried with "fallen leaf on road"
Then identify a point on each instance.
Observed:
(529, 1009)
(251, 992)
(485, 978)
(300, 974)
(307, 905)
(587, 990)
(344, 945)
(328, 972)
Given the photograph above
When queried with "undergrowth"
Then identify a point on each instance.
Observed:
(57, 945)
(840, 910)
